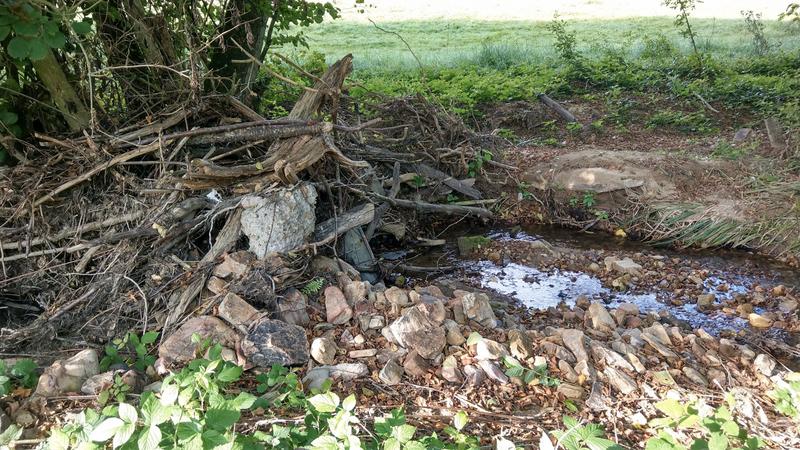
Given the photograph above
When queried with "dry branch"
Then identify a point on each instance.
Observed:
(555, 106)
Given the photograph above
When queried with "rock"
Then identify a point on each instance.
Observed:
(274, 342)
(659, 333)
(337, 309)
(597, 401)
(292, 308)
(348, 371)
(414, 331)
(416, 365)
(594, 267)
(575, 342)
(454, 336)
(759, 321)
(571, 391)
(354, 291)
(477, 308)
(316, 377)
(659, 347)
(433, 308)
(237, 312)
(279, 221)
(216, 285)
(489, 349)
(625, 265)
(493, 371)
(609, 357)
(600, 318)
(391, 373)
(234, 265)
(559, 352)
(5, 421)
(458, 314)
(567, 371)
(788, 306)
(728, 348)
(764, 364)
(468, 244)
(717, 377)
(520, 344)
(371, 322)
(323, 350)
(24, 419)
(705, 301)
(68, 375)
(97, 383)
(366, 353)
(474, 375)
(630, 309)
(741, 135)
(450, 370)
(695, 376)
(397, 296)
(621, 382)
(358, 252)
(179, 348)
(635, 362)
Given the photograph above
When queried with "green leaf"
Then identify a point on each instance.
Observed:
(460, 420)
(58, 440)
(82, 28)
(29, 29)
(349, 403)
(325, 442)
(229, 374)
(325, 403)
(4, 31)
(718, 441)
(123, 434)
(473, 338)
(672, 408)
(221, 419)
(339, 424)
(150, 336)
(37, 49)
(56, 40)
(404, 433)
(392, 444)
(243, 401)
(150, 438)
(18, 47)
(730, 428)
(106, 430)
(128, 413)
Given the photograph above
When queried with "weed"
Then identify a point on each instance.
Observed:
(601, 214)
(537, 375)
(313, 286)
(22, 373)
(573, 202)
(684, 8)
(755, 26)
(786, 396)
(117, 391)
(695, 122)
(418, 181)
(582, 437)
(474, 167)
(726, 150)
(792, 13)
(574, 127)
(506, 133)
(588, 199)
(566, 42)
(131, 350)
(524, 190)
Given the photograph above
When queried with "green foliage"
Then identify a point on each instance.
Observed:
(279, 387)
(588, 199)
(131, 350)
(566, 42)
(717, 429)
(23, 373)
(537, 375)
(524, 190)
(694, 122)
(726, 150)
(314, 286)
(755, 26)
(474, 167)
(684, 9)
(792, 13)
(32, 32)
(786, 396)
(117, 391)
(583, 437)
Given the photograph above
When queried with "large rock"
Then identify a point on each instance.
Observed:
(237, 312)
(275, 342)
(597, 179)
(493, 371)
(759, 321)
(489, 349)
(520, 344)
(477, 308)
(292, 308)
(764, 364)
(575, 342)
(68, 375)
(600, 318)
(337, 310)
(397, 296)
(414, 331)
(621, 382)
(280, 220)
(179, 347)
(450, 370)
(416, 365)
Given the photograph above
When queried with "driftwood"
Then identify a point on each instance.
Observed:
(327, 231)
(436, 208)
(452, 183)
(555, 106)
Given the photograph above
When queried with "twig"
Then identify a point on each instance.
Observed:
(705, 103)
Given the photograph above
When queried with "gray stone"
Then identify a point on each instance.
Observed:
(371, 322)
(489, 349)
(475, 376)
(179, 348)
(575, 342)
(454, 336)
(788, 306)
(597, 401)
(493, 371)
(741, 135)
(68, 375)
(279, 221)
(559, 352)
(337, 310)
(450, 370)
(433, 308)
(323, 350)
(316, 377)
(348, 371)
(764, 364)
(292, 307)
(396, 296)
(571, 391)
(609, 357)
(705, 301)
(391, 373)
(477, 308)
(275, 342)
(366, 353)
(659, 332)
(695, 376)
(596, 179)
(600, 318)
(414, 331)
(416, 365)
(659, 347)
(520, 344)
(625, 265)
(621, 382)
(97, 383)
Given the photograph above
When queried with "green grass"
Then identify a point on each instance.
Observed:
(457, 43)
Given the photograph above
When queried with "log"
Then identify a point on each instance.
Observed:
(555, 106)
(335, 226)
(449, 181)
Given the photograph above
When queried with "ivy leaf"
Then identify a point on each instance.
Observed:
(82, 28)
(37, 49)
(325, 442)
(106, 430)
(718, 441)
(392, 444)
(18, 47)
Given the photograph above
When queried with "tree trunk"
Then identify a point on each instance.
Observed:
(61, 91)
(242, 26)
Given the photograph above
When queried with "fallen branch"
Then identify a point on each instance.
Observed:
(555, 106)
(85, 228)
(449, 181)
(327, 231)
(435, 207)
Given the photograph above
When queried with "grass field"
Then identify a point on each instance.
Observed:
(449, 43)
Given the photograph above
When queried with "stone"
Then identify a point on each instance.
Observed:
(450, 370)
(558, 351)
(237, 312)
(454, 336)
(631, 309)
(625, 265)
(575, 342)
(609, 357)
(337, 310)
(659, 347)
(618, 380)
(5, 421)
(323, 350)
(279, 221)
(728, 348)
(493, 371)
(635, 362)
(68, 375)
(316, 377)
(489, 349)
(788, 306)
(433, 308)
(600, 318)
(391, 373)
(348, 371)
(354, 291)
(414, 331)
(386, 354)
(396, 296)
(764, 364)
(416, 365)
(741, 135)
(234, 265)
(571, 391)
(477, 308)
(469, 244)
(475, 376)
(717, 377)
(659, 333)
(371, 322)
(275, 342)
(179, 348)
(292, 308)
(597, 401)
(567, 371)
(216, 285)
(24, 419)
(366, 353)
(458, 314)
(520, 344)
(759, 321)
(695, 376)
(97, 383)
(706, 301)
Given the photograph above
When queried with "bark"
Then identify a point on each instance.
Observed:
(242, 25)
(61, 91)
